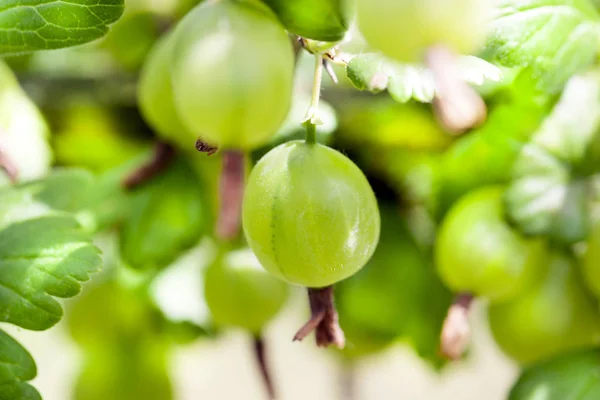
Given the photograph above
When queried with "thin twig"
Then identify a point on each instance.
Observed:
(164, 154)
(259, 351)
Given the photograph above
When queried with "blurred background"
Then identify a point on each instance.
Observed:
(147, 333)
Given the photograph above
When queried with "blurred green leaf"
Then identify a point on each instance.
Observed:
(568, 131)
(387, 125)
(543, 200)
(375, 73)
(168, 215)
(44, 252)
(373, 312)
(132, 372)
(570, 376)
(486, 155)
(61, 190)
(51, 24)
(557, 38)
(16, 368)
(132, 37)
(93, 136)
(124, 340)
(546, 195)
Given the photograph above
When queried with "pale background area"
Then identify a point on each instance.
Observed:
(224, 368)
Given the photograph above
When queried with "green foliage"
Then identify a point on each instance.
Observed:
(168, 215)
(44, 253)
(325, 20)
(557, 38)
(29, 25)
(574, 375)
(487, 154)
(548, 194)
(121, 336)
(40, 258)
(375, 73)
(16, 368)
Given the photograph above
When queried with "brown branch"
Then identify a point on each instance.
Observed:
(324, 320)
(163, 156)
(231, 194)
(456, 331)
(259, 351)
(458, 107)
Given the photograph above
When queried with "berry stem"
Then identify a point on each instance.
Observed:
(231, 194)
(163, 156)
(458, 107)
(456, 331)
(259, 351)
(8, 166)
(312, 115)
(324, 319)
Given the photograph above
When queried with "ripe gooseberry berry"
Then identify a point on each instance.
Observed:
(310, 215)
(478, 252)
(240, 293)
(556, 315)
(232, 73)
(405, 29)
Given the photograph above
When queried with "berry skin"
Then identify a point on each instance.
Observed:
(155, 95)
(310, 215)
(232, 73)
(240, 293)
(555, 316)
(405, 29)
(477, 251)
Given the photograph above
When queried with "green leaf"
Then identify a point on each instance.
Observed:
(16, 368)
(375, 73)
(571, 376)
(168, 216)
(569, 129)
(29, 25)
(557, 38)
(62, 190)
(41, 258)
(546, 195)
